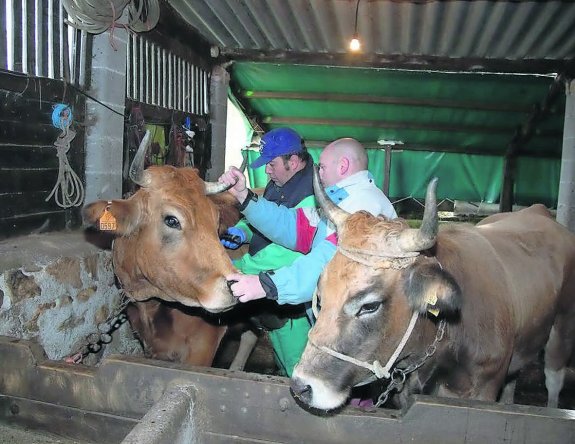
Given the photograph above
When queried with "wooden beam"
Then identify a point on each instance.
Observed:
(365, 98)
(397, 125)
(440, 149)
(414, 62)
(522, 135)
(387, 170)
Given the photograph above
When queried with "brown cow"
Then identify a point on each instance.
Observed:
(168, 247)
(482, 300)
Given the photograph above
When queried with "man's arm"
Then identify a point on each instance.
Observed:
(292, 284)
(296, 283)
(277, 223)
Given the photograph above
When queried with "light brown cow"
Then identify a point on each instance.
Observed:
(168, 247)
(482, 300)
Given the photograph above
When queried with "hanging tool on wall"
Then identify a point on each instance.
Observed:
(69, 190)
(189, 140)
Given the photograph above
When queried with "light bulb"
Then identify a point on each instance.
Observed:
(354, 44)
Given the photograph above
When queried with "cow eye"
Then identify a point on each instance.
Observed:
(172, 222)
(370, 307)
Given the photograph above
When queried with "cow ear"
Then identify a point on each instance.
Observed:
(228, 210)
(430, 289)
(125, 213)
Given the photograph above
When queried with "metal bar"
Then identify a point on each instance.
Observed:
(38, 38)
(194, 90)
(170, 82)
(82, 58)
(165, 78)
(51, 43)
(24, 37)
(392, 61)
(140, 97)
(61, 57)
(129, 69)
(146, 97)
(206, 92)
(10, 35)
(364, 98)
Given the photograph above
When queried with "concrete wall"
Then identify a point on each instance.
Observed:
(55, 289)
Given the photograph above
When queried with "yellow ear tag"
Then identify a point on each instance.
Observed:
(431, 299)
(107, 220)
(433, 311)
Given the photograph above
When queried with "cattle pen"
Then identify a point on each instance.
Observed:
(118, 321)
(135, 401)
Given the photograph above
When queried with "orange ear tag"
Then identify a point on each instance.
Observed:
(107, 220)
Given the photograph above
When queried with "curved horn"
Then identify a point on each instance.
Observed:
(331, 210)
(137, 173)
(216, 187)
(424, 237)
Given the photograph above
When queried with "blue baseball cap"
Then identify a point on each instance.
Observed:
(278, 142)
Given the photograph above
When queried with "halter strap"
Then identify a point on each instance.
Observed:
(376, 368)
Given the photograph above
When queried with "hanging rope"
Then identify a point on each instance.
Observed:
(69, 190)
(97, 16)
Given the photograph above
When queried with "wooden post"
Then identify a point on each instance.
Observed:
(387, 170)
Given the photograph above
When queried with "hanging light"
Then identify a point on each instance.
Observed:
(355, 44)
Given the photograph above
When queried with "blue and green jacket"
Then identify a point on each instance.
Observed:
(303, 230)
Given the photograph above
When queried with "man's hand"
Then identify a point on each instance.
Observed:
(247, 287)
(233, 238)
(236, 178)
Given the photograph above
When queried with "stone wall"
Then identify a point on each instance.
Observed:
(56, 289)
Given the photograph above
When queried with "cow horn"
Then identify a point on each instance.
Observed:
(331, 210)
(216, 187)
(424, 237)
(137, 173)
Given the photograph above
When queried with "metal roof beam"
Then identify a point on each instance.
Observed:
(364, 98)
(414, 62)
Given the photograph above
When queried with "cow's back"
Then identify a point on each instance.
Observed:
(513, 268)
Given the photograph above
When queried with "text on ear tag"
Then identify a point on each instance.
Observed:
(107, 220)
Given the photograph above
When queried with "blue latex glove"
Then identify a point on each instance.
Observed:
(233, 238)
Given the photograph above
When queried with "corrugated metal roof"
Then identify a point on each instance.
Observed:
(510, 30)
(424, 78)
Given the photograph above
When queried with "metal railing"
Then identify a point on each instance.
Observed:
(38, 41)
(158, 77)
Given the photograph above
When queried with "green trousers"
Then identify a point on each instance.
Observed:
(289, 342)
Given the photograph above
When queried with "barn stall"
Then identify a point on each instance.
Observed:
(477, 93)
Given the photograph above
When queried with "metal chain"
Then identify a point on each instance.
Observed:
(398, 375)
(95, 341)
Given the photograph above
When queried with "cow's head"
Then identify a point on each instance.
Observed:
(167, 243)
(367, 295)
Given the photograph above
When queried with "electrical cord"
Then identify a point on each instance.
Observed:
(69, 190)
(97, 16)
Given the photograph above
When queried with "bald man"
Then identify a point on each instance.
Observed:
(348, 183)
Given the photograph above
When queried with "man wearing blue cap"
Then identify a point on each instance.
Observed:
(289, 168)
(343, 173)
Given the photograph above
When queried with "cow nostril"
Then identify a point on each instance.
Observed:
(301, 391)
